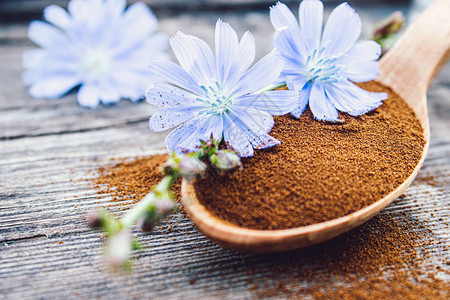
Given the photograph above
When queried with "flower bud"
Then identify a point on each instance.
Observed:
(225, 160)
(190, 167)
(118, 250)
(160, 208)
(389, 26)
(94, 220)
(164, 205)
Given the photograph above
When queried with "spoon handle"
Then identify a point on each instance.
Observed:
(416, 59)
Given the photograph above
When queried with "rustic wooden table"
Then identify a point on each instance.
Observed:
(46, 250)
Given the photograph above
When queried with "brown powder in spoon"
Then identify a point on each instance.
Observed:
(321, 171)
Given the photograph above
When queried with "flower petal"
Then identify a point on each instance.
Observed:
(241, 63)
(139, 23)
(257, 140)
(262, 74)
(165, 95)
(311, 18)
(175, 74)
(296, 82)
(212, 126)
(235, 139)
(362, 51)
(169, 117)
(362, 72)
(320, 106)
(53, 87)
(115, 8)
(190, 49)
(342, 29)
(226, 49)
(88, 96)
(47, 36)
(349, 98)
(57, 16)
(274, 102)
(281, 16)
(303, 100)
(291, 47)
(184, 132)
(256, 121)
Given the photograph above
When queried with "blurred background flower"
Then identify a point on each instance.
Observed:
(96, 44)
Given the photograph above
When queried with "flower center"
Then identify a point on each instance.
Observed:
(96, 63)
(216, 98)
(323, 68)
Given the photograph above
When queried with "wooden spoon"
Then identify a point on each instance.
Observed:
(408, 69)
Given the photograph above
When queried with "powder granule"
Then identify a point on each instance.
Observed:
(320, 171)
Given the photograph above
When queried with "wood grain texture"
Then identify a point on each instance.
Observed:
(46, 251)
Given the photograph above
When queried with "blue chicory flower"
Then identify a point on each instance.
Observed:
(95, 44)
(217, 96)
(322, 66)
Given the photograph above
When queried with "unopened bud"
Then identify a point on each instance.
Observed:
(210, 146)
(164, 206)
(118, 250)
(389, 26)
(161, 207)
(190, 167)
(225, 160)
(94, 220)
(168, 170)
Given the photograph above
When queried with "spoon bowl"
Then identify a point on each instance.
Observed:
(408, 69)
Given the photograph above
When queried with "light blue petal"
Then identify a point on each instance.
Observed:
(362, 71)
(262, 74)
(47, 36)
(169, 117)
(188, 50)
(281, 16)
(342, 29)
(296, 82)
(175, 74)
(274, 102)
(321, 107)
(291, 46)
(109, 93)
(165, 95)
(184, 132)
(226, 46)
(257, 140)
(115, 8)
(362, 51)
(257, 121)
(53, 87)
(241, 63)
(311, 18)
(349, 98)
(88, 96)
(263, 141)
(212, 126)
(235, 139)
(302, 100)
(140, 14)
(138, 24)
(57, 16)
(34, 58)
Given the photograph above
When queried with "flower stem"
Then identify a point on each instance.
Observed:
(140, 209)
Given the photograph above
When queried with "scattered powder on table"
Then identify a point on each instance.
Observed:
(132, 180)
(320, 171)
(387, 257)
